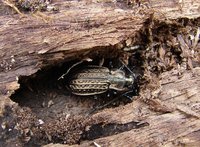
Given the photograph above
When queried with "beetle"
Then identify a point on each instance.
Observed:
(93, 80)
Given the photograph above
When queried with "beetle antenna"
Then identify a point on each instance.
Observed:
(86, 59)
(127, 67)
(61, 77)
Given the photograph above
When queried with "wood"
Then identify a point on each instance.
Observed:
(81, 28)
(29, 43)
(166, 129)
(180, 127)
(34, 43)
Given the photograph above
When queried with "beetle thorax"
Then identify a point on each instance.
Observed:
(119, 81)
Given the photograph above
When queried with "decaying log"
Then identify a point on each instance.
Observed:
(33, 41)
(27, 42)
(180, 127)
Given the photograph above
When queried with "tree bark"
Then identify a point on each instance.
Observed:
(33, 41)
(28, 43)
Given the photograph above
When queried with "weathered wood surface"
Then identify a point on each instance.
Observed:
(179, 127)
(29, 43)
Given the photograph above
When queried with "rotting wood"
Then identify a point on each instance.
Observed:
(33, 42)
(29, 43)
(170, 128)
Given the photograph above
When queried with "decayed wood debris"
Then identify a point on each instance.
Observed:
(158, 39)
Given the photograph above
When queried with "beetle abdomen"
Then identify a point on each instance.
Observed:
(90, 81)
(88, 86)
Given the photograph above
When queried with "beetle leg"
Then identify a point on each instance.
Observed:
(103, 106)
(112, 101)
(95, 97)
(127, 68)
(108, 95)
(111, 93)
(121, 67)
(101, 62)
(114, 92)
(127, 96)
(110, 65)
(136, 90)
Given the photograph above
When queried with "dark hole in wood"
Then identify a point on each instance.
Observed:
(49, 100)
(101, 130)
(43, 92)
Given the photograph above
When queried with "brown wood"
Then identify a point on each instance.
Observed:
(180, 127)
(30, 42)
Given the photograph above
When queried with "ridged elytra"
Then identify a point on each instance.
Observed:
(93, 80)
